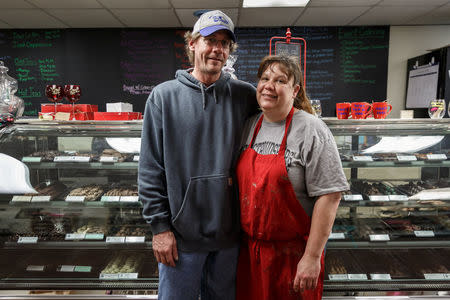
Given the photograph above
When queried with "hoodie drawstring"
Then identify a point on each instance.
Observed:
(203, 96)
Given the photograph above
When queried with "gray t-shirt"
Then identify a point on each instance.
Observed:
(312, 159)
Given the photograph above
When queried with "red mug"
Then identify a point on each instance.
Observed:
(360, 110)
(381, 109)
(343, 110)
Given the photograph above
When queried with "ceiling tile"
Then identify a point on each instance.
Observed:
(65, 4)
(390, 15)
(29, 18)
(14, 4)
(436, 16)
(4, 25)
(314, 3)
(269, 16)
(329, 16)
(200, 4)
(85, 18)
(136, 3)
(413, 2)
(147, 17)
(188, 19)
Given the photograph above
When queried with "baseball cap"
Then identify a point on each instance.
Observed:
(212, 21)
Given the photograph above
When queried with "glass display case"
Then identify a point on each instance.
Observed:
(71, 217)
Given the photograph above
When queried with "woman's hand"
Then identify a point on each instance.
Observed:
(308, 269)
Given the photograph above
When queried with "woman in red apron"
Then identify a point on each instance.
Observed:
(281, 254)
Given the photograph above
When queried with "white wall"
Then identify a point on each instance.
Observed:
(407, 42)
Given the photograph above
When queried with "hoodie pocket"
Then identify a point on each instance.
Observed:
(207, 210)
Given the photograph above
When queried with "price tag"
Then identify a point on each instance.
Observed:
(71, 159)
(424, 233)
(84, 269)
(447, 276)
(129, 199)
(136, 158)
(135, 239)
(379, 198)
(406, 158)
(398, 198)
(380, 276)
(40, 199)
(115, 239)
(379, 237)
(31, 159)
(75, 198)
(35, 268)
(74, 236)
(436, 156)
(94, 236)
(357, 276)
(108, 276)
(362, 158)
(353, 197)
(108, 159)
(110, 198)
(337, 236)
(128, 275)
(434, 276)
(66, 268)
(27, 240)
(338, 276)
(21, 199)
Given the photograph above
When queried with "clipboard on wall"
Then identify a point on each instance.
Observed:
(422, 85)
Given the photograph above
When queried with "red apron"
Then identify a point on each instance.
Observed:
(275, 227)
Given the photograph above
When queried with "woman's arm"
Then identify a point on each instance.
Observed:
(308, 268)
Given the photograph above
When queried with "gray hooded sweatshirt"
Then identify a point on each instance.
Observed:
(190, 142)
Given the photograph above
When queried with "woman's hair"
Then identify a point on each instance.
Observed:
(188, 36)
(291, 66)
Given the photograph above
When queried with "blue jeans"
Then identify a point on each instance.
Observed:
(210, 275)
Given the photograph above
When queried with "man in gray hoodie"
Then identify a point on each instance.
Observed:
(190, 142)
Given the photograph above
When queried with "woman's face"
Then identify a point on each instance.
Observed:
(276, 91)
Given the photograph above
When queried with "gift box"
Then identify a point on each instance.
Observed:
(50, 107)
(112, 116)
(119, 107)
(79, 116)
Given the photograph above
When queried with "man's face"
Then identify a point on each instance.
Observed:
(211, 52)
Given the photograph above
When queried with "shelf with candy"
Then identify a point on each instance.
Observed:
(355, 160)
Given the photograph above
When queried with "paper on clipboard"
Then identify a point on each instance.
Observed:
(422, 86)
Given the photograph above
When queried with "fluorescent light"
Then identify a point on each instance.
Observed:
(274, 3)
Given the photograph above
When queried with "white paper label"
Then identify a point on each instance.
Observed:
(66, 268)
(424, 233)
(83, 269)
(75, 198)
(337, 236)
(27, 240)
(436, 156)
(110, 198)
(357, 276)
(129, 199)
(115, 239)
(21, 199)
(71, 159)
(353, 197)
(31, 159)
(40, 199)
(108, 159)
(128, 275)
(379, 198)
(338, 276)
(74, 236)
(398, 197)
(379, 237)
(136, 158)
(108, 276)
(362, 158)
(94, 236)
(405, 158)
(447, 275)
(434, 276)
(380, 276)
(35, 268)
(135, 239)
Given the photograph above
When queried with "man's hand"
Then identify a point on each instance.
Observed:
(165, 248)
(308, 270)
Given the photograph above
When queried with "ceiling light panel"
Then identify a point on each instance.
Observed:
(274, 3)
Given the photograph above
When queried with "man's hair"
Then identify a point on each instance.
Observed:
(188, 36)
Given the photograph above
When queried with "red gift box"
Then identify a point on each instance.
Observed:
(111, 116)
(80, 116)
(50, 107)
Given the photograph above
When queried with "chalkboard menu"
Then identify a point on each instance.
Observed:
(342, 64)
